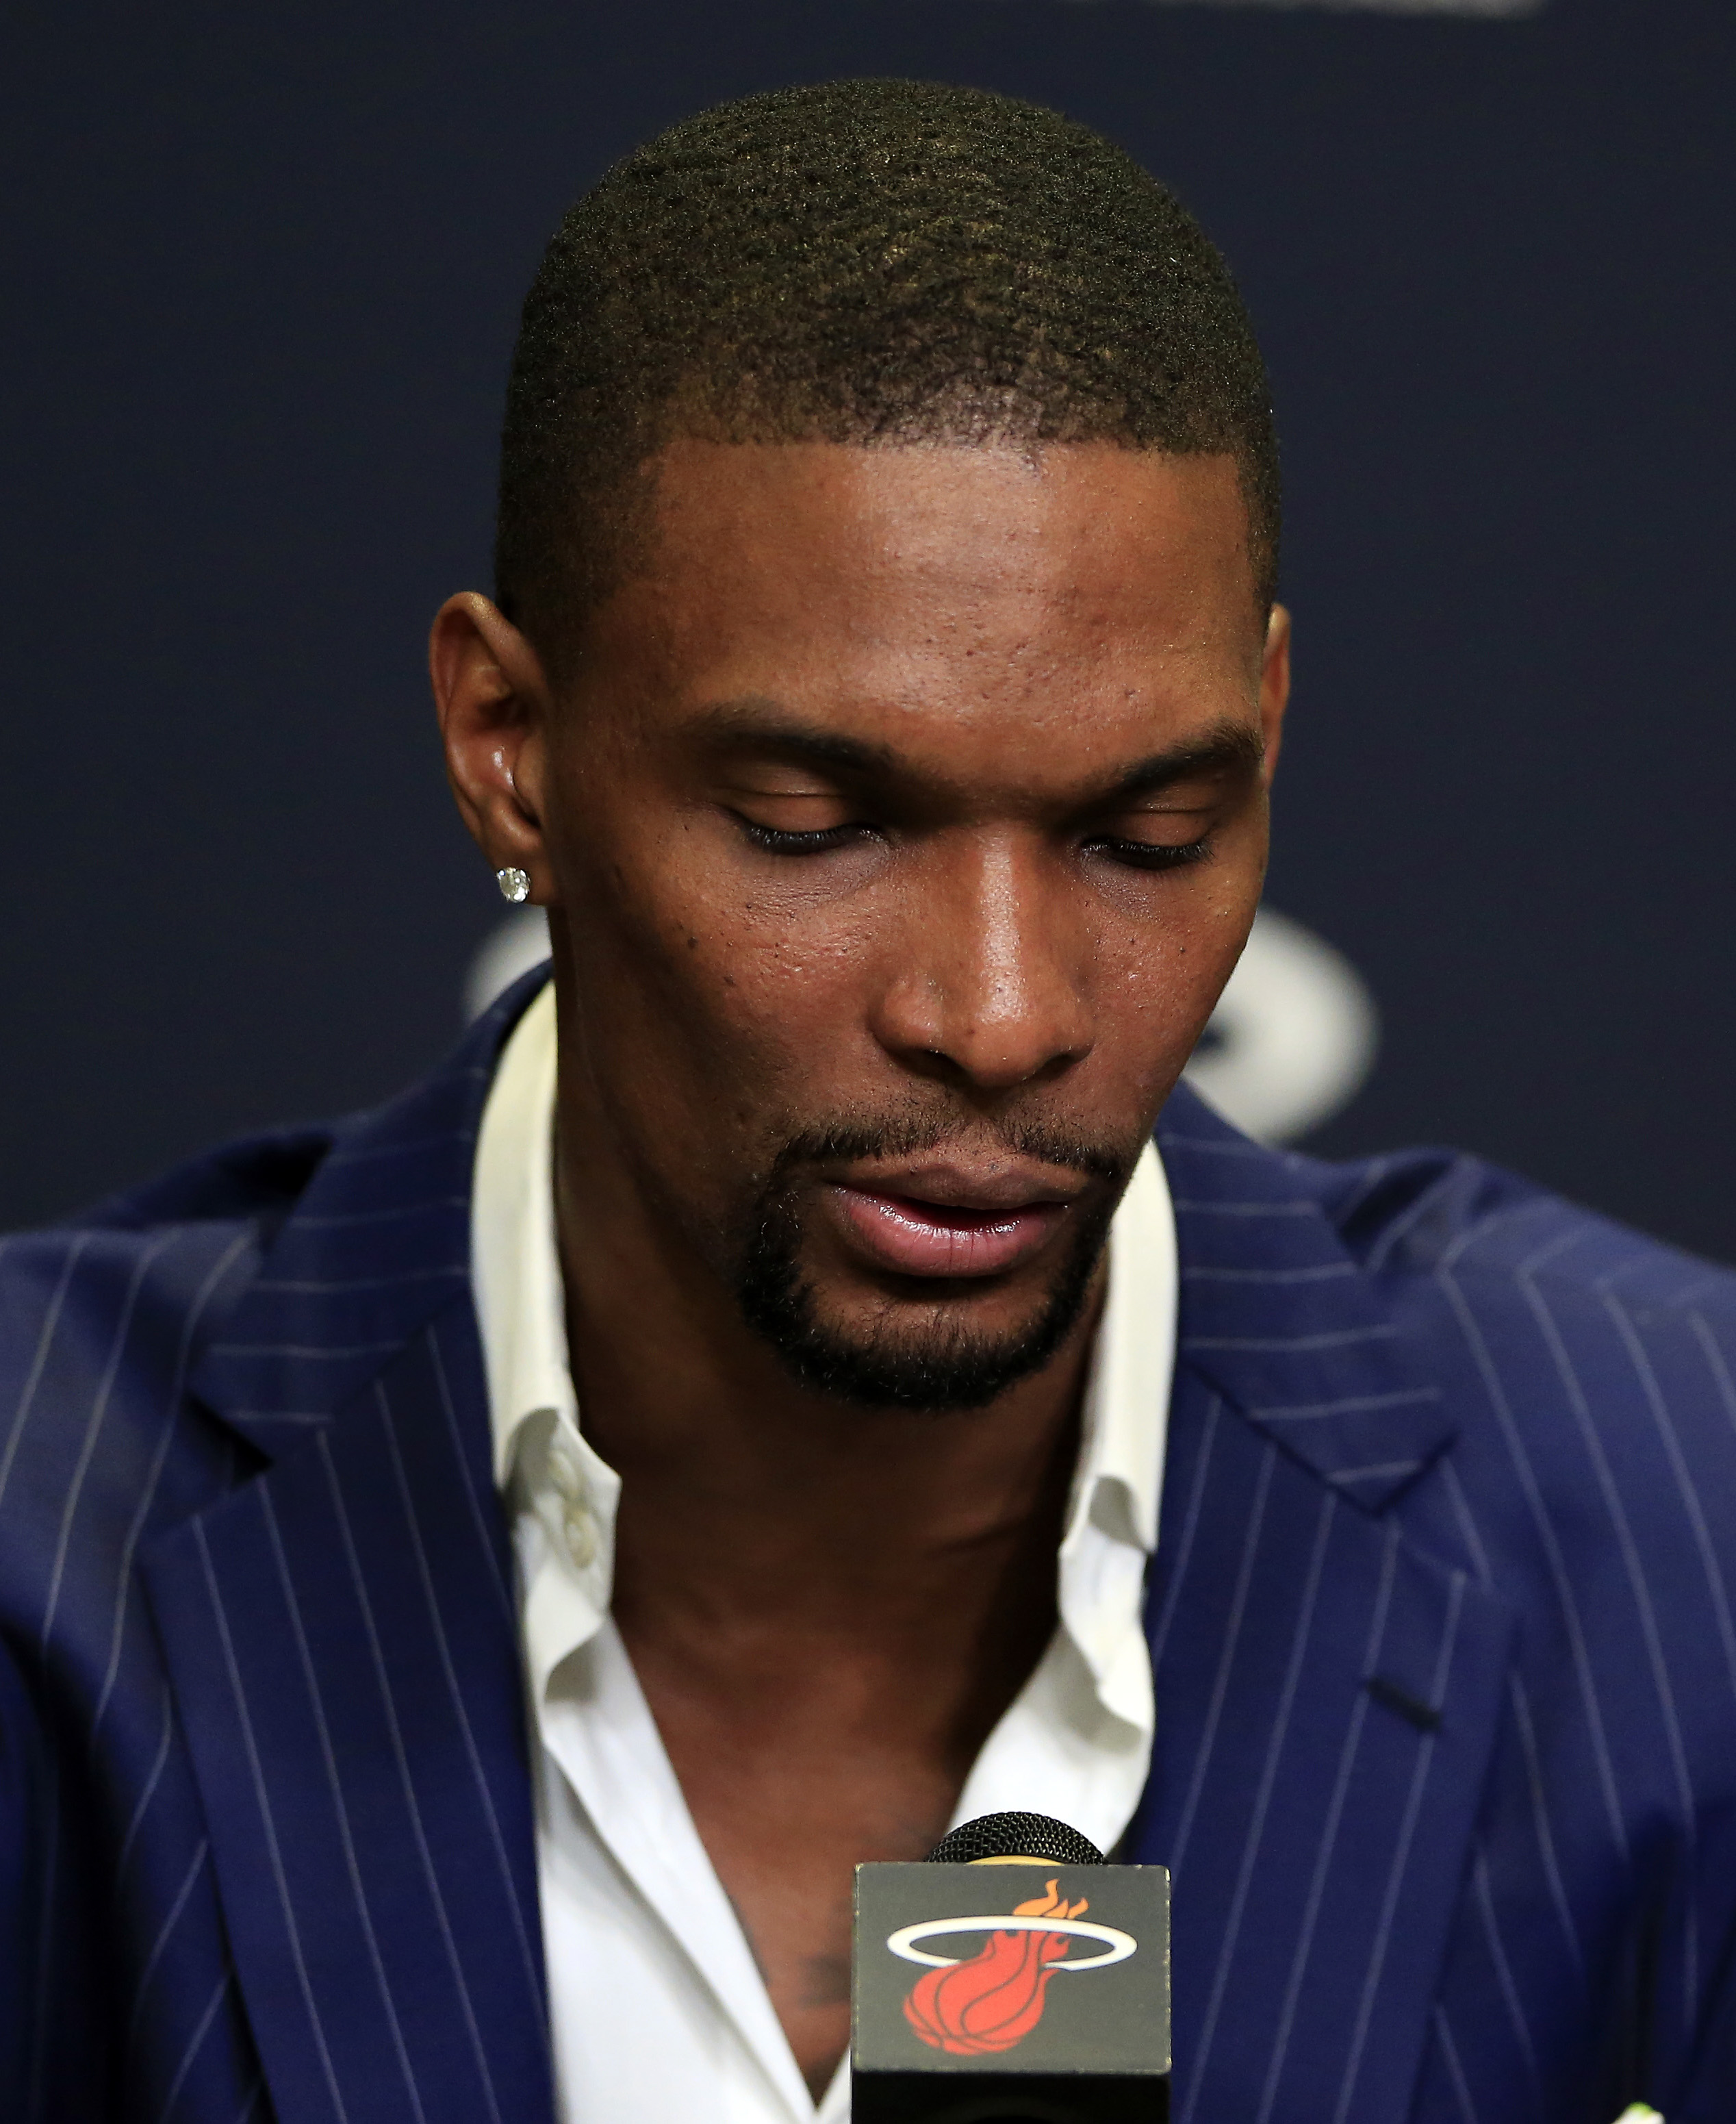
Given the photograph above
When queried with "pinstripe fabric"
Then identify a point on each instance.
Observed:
(266, 1845)
(1446, 1672)
(116, 1973)
(1443, 1619)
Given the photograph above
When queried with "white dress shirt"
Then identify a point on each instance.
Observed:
(657, 2007)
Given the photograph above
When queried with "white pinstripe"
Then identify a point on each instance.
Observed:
(1329, 1838)
(1320, 1272)
(249, 2100)
(1689, 1292)
(1467, 1525)
(141, 1511)
(1378, 1471)
(1372, 1180)
(317, 1703)
(1455, 2071)
(1329, 1507)
(337, 1220)
(1291, 1345)
(194, 2041)
(1233, 1147)
(1551, 1547)
(1401, 1856)
(160, 1943)
(322, 1446)
(1512, 1212)
(98, 1410)
(412, 1146)
(308, 1416)
(1690, 1495)
(313, 1287)
(1402, 1225)
(1196, 1208)
(306, 1352)
(149, 1793)
(1536, 1262)
(50, 1321)
(1304, 1412)
(1721, 1371)
(478, 1519)
(1503, 1971)
(1642, 1602)
(1539, 1816)
(533, 1984)
(273, 1848)
(1190, 1528)
(1226, 1659)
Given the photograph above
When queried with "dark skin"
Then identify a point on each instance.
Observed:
(924, 786)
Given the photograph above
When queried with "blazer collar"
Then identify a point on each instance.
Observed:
(1281, 1318)
(379, 1241)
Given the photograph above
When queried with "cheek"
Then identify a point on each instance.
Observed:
(711, 1011)
(1159, 986)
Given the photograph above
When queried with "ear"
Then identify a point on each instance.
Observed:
(1275, 685)
(493, 702)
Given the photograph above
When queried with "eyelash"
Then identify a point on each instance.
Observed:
(1148, 855)
(778, 841)
(1136, 855)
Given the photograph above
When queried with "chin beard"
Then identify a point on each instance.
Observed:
(941, 1366)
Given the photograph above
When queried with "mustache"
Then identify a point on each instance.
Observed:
(910, 1135)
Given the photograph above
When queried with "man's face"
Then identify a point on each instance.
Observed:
(903, 820)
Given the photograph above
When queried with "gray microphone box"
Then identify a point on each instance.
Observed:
(1011, 1994)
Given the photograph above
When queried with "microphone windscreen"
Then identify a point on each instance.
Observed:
(1015, 1836)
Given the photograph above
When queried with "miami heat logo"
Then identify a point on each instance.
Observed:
(993, 2000)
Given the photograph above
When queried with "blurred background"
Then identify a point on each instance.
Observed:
(261, 272)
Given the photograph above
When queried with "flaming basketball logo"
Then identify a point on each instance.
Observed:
(993, 2001)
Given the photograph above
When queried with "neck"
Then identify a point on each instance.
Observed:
(828, 1607)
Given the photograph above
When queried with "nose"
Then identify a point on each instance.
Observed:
(989, 989)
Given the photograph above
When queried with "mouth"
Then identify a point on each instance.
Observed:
(943, 1224)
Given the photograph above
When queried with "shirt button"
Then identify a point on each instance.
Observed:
(581, 1535)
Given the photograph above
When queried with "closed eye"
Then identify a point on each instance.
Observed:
(1153, 855)
(783, 841)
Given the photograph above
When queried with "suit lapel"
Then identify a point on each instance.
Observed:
(341, 1640)
(1327, 1695)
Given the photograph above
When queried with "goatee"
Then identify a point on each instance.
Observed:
(936, 1366)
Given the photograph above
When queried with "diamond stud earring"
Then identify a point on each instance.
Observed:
(514, 884)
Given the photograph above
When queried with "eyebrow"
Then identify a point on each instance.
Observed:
(1228, 749)
(761, 725)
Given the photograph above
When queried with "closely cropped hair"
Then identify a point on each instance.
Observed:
(866, 262)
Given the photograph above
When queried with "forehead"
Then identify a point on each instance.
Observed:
(889, 585)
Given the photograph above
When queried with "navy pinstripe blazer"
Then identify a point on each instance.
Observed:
(1442, 1618)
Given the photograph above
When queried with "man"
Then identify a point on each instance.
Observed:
(475, 1580)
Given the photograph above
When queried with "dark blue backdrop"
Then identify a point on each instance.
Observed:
(264, 269)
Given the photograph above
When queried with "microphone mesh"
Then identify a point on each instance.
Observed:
(1015, 1836)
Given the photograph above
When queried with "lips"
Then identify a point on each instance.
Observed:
(912, 1236)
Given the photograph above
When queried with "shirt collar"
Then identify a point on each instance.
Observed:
(1120, 1476)
(515, 1256)
(550, 1472)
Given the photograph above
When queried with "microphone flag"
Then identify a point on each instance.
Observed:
(1011, 1991)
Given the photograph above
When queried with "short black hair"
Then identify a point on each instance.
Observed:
(866, 262)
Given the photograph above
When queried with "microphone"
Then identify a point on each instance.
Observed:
(954, 1960)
